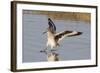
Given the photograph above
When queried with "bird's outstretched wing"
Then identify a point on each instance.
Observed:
(51, 25)
(61, 35)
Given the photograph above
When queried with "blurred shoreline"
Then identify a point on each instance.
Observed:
(77, 16)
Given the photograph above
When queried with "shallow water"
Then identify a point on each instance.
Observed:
(71, 48)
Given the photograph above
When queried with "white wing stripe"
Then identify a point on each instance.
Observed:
(60, 37)
(73, 33)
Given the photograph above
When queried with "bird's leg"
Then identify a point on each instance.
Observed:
(45, 48)
(53, 49)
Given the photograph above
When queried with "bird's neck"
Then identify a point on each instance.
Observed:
(50, 34)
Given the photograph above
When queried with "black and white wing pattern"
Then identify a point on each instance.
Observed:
(51, 25)
(62, 35)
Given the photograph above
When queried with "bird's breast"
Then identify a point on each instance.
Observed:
(51, 42)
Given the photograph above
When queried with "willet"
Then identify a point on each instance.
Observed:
(54, 38)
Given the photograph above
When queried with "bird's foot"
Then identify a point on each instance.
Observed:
(43, 51)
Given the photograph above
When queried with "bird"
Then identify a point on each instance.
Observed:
(53, 38)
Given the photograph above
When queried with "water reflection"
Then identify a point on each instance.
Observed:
(52, 55)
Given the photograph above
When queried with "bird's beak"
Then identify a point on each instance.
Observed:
(44, 32)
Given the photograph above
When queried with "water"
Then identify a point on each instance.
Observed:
(71, 48)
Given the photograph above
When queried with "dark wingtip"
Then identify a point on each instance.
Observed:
(79, 33)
